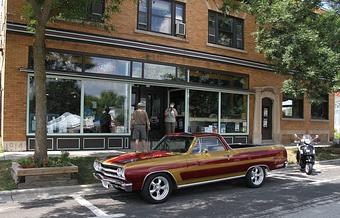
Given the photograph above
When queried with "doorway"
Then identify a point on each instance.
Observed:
(267, 119)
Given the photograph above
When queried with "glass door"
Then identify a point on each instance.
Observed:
(177, 96)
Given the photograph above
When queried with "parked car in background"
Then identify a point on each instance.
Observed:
(184, 160)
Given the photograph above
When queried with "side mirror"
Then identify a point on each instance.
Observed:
(316, 136)
(296, 136)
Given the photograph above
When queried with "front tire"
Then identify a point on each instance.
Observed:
(255, 177)
(309, 169)
(157, 188)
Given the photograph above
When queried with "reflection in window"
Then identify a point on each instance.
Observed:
(159, 72)
(210, 144)
(233, 113)
(218, 79)
(203, 111)
(161, 16)
(225, 30)
(63, 61)
(63, 105)
(320, 110)
(137, 69)
(106, 66)
(105, 107)
(292, 107)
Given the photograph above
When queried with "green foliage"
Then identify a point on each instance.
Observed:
(61, 161)
(6, 181)
(337, 135)
(300, 41)
(72, 11)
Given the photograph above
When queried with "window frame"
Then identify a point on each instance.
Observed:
(173, 17)
(285, 98)
(235, 21)
(90, 14)
(321, 104)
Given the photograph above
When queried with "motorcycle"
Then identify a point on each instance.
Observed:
(306, 153)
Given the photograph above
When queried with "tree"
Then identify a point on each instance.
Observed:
(300, 40)
(39, 13)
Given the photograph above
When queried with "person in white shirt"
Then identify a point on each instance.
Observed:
(170, 115)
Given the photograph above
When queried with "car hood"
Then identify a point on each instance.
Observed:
(133, 157)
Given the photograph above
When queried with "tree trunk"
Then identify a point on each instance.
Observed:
(40, 152)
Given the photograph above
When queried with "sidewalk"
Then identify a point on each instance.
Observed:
(24, 195)
(94, 153)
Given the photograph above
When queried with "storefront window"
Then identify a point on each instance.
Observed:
(63, 61)
(105, 107)
(218, 79)
(106, 66)
(137, 69)
(233, 113)
(159, 72)
(63, 105)
(292, 107)
(203, 111)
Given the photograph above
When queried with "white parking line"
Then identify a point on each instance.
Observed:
(97, 212)
(82, 201)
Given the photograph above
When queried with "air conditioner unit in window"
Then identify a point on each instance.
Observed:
(180, 28)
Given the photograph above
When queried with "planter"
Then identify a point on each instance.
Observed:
(43, 177)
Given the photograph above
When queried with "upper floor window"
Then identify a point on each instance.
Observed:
(225, 30)
(96, 10)
(320, 110)
(162, 16)
(292, 107)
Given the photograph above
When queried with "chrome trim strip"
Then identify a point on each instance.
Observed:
(210, 181)
(109, 170)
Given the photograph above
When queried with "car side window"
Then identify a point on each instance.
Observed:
(212, 144)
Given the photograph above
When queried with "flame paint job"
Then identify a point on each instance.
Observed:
(186, 168)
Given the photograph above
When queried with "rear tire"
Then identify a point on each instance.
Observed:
(255, 177)
(157, 188)
(309, 168)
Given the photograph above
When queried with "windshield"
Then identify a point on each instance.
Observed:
(179, 144)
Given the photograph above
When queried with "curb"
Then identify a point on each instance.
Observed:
(22, 195)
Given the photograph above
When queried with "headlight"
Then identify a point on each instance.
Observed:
(97, 166)
(121, 173)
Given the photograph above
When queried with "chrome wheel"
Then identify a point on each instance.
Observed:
(257, 176)
(159, 188)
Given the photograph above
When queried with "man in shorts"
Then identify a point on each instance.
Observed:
(140, 124)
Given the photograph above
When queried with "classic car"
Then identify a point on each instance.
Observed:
(183, 160)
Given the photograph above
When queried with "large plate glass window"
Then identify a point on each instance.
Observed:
(220, 79)
(225, 30)
(234, 109)
(159, 72)
(106, 66)
(203, 111)
(106, 106)
(63, 105)
(59, 61)
(292, 107)
(319, 110)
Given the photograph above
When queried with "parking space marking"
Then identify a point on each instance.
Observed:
(82, 201)
(97, 212)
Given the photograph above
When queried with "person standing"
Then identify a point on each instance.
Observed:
(170, 118)
(140, 124)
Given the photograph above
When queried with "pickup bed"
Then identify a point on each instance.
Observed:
(184, 160)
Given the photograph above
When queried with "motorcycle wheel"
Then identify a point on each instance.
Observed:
(309, 169)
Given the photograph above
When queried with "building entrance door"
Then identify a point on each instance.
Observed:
(177, 96)
(267, 118)
(155, 98)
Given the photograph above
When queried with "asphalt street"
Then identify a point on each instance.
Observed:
(286, 193)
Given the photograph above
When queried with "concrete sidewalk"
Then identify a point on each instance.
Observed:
(94, 153)
(24, 195)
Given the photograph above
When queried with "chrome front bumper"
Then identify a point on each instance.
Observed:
(113, 183)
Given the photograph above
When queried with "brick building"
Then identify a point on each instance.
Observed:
(162, 51)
